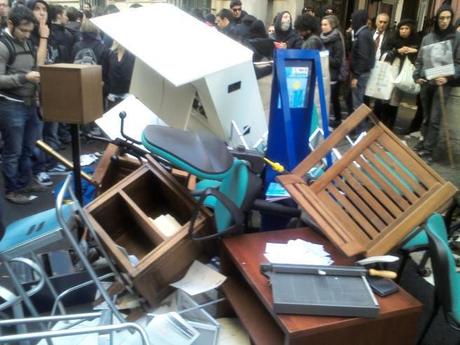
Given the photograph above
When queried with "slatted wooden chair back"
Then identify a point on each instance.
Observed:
(367, 201)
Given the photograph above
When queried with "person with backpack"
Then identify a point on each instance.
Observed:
(91, 51)
(18, 103)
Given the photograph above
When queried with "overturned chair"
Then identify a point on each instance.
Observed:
(367, 201)
(54, 229)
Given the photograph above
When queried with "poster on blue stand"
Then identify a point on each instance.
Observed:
(296, 73)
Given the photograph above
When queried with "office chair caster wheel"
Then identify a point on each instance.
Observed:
(424, 272)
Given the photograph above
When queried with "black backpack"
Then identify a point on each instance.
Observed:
(85, 56)
(12, 53)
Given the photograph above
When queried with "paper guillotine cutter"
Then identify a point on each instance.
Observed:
(321, 290)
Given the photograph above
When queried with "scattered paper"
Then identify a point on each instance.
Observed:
(167, 224)
(88, 159)
(171, 329)
(297, 252)
(198, 279)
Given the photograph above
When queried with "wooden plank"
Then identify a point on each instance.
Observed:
(405, 155)
(359, 203)
(333, 140)
(331, 227)
(391, 139)
(413, 181)
(325, 219)
(147, 226)
(395, 182)
(411, 218)
(397, 199)
(345, 219)
(346, 160)
(379, 194)
(355, 214)
(260, 325)
(369, 198)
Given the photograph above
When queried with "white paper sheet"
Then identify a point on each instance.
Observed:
(298, 252)
(198, 279)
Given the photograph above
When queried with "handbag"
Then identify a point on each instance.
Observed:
(381, 81)
(404, 81)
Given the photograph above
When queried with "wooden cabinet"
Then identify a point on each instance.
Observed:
(71, 93)
(123, 215)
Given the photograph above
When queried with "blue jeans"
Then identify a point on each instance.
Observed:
(48, 131)
(19, 124)
(358, 92)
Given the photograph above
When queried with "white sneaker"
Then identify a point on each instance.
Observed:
(43, 179)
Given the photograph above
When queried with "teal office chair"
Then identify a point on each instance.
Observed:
(417, 241)
(233, 197)
(446, 277)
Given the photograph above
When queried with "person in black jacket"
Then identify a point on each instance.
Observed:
(236, 7)
(62, 37)
(402, 45)
(333, 41)
(285, 36)
(121, 64)
(258, 41)
(362, 56)
(430, 89)
(308, 27)
(90, 38)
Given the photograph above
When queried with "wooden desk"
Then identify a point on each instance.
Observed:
(250, 295)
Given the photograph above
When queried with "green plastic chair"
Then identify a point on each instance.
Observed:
(446, 277)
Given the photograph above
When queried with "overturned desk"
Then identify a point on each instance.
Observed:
(250, 295)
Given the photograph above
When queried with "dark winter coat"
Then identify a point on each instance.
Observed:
(436, 36)
(290, 37)
(63, 41)
(333, 42)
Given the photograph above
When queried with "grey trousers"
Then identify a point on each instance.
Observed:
(432, 115)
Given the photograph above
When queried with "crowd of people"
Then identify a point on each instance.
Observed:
(36, 33)
(353, 52)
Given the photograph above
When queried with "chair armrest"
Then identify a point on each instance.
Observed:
(236, 214)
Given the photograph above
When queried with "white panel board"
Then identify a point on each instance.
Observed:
(138, 117)
(176, 45)
(172, 104)
(243, 105)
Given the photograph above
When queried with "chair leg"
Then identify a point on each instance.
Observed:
(25, 298)
(48, 283)
(405, 256)
(422, 264)
(436, 307)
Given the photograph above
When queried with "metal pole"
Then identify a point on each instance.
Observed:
(74, 131)
(445, 125)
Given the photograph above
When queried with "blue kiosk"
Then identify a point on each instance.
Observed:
(296, 73)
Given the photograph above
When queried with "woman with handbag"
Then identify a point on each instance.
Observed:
(401, 47)
(333, 41)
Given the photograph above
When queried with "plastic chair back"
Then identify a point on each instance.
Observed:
(447, 280)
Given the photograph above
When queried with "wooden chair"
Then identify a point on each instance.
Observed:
(374, 195)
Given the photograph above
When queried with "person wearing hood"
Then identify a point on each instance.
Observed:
(308, 27)
(241, 31)
(402, 45)
(334, 42)
(262, 45)
(362, 56)
(429, 94)
(285, 36)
